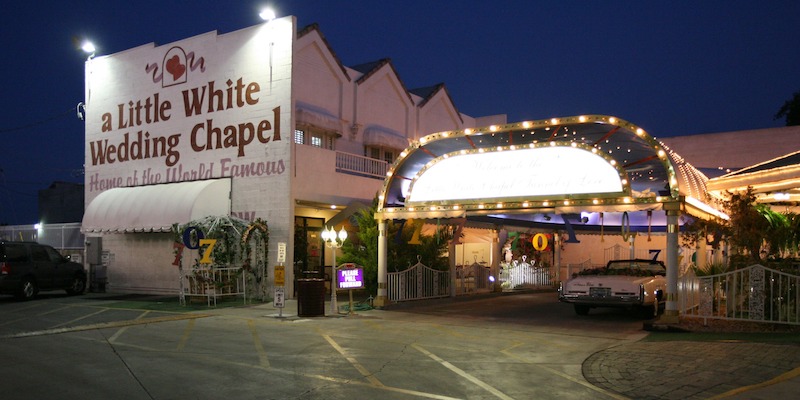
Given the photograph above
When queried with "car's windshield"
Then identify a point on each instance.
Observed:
(54, 255)
(629, 268)
(635, 267)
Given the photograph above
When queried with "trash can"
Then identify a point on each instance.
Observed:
(311, 297)
(311, 274)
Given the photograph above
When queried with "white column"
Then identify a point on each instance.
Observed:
(382, 298)
(494, 254)
(556, 255)
(451, 248)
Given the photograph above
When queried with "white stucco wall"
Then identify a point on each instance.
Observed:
(438, 115)
(317, 179)
(141, 263)
(382, 101)
(243, 132)
(321, 81)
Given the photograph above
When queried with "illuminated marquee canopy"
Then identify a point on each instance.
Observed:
(578, 164)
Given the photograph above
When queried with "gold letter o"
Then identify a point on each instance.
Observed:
(539, 242)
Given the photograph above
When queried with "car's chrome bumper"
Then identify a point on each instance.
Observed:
(602, 300)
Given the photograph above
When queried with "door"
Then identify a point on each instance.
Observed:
(63, 272)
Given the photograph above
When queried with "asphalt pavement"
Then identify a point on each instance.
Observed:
(510, 347)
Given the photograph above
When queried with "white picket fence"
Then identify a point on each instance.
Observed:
(212, 283)
(417, 283)
(755, 293)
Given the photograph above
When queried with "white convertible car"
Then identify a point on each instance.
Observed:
(632, 284)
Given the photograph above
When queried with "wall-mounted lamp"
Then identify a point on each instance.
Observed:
(80, 109)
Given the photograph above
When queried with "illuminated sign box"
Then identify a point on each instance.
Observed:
(526, 172)
(352, 278)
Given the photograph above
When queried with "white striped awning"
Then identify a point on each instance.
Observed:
(155, 208)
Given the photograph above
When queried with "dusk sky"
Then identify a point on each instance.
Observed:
(673, 68)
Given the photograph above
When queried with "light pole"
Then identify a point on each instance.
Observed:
(334, 241)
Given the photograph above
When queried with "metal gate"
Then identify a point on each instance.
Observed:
(472, 278)
(417, 283)
(520, 275)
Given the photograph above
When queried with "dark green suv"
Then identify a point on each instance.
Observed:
(28, 267)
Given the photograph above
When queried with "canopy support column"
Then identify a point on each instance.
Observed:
(494, 268)
(382, 299)
(671, 312)
(451, 248)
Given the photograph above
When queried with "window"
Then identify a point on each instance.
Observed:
(39, 253)
(382, 153)
(54, 255)
(16, 253)
(316, 137)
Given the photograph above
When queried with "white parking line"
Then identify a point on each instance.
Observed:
(79, 318)
(463, 373)
(55, 310)
(354, 362)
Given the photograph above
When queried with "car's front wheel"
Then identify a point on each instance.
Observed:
(581, 309)
(27, 290)
(77, 286)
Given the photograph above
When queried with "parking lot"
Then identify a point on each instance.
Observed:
(508, 347)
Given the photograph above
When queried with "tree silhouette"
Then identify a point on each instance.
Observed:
(790, 110)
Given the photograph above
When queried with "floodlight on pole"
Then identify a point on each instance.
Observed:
(88, 47)
(267, 14)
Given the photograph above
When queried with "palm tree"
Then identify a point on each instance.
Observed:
(790, 110)
(778, 235)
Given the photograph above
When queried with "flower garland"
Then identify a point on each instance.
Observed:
(261, 226)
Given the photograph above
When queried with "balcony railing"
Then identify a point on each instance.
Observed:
(359, 165)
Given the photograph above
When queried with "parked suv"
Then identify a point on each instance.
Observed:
(28, 267)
